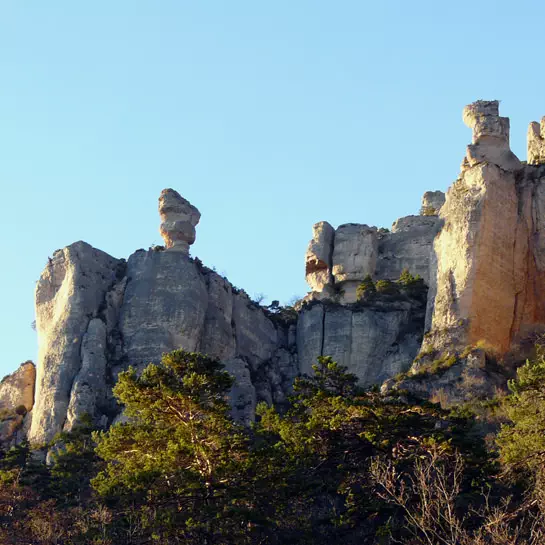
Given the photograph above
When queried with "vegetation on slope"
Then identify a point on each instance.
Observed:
(340, 465)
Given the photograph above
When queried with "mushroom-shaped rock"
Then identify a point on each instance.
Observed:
(178, 220)
(490, 136)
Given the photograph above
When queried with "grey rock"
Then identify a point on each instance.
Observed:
(218, 337)
(164, 306)
(242, 395)
(409, 245)
(310, 336)
(69, 294)
(89, 386)
(432, 201)
(256, 335)
(355, 252)
(374, 341)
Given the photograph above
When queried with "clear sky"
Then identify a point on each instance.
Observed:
(268, 116)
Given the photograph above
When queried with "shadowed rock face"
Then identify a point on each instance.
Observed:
(375, 341)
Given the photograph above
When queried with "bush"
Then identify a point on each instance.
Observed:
(366, 287)
(386, 287)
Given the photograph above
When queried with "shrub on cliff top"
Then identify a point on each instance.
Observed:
(366, 287)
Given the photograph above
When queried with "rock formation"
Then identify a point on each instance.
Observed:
(479, 251)
(17, 400)
(536, 142)
(432, 201)
(178, 221)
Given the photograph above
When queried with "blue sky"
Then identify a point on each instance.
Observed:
(268, 116)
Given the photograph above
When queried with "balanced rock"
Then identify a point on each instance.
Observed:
(178, 221)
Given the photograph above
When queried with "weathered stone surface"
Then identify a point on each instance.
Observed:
(256, 336)
(475, 258)
(310, 335)
(242, 395)
(490, 136)
(432, 201)
(17, 389)
(218, 338)
(89, 386)
(409, 245)
(319, 255)
(164, 306)
(479, 252)
(68, 295)
(467, 380)
(178, 220)
(374, 341)
(355, 252)
(536, 142)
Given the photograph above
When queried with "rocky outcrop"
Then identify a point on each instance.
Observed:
(432, 201)
(69, 295)
(337, 260)
(178, 220)
(450, 381)
(489, 265)
(96, 315)
(536, 142)
(319, 255)
(16, 401)
(375, 340)
(490, 136)
(480, 249)
(17, 389)
(354, 257)
(408, 246)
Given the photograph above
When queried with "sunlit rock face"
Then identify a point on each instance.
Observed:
(480, 251)
(178, 221)
(490, 268)
(432, 201)
(96, 315)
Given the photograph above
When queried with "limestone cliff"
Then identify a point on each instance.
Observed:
(479, 250)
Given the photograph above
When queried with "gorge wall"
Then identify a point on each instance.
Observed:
(479, 250)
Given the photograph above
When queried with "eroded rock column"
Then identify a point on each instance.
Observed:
(476, 278)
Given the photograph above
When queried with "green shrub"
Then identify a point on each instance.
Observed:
(366, 287)
(386, 287)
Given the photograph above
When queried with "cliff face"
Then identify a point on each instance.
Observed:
(489, 276)
(480, 252)
(96, 315)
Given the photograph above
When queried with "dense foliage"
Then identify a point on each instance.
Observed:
(339, 465)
